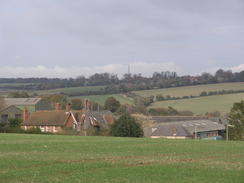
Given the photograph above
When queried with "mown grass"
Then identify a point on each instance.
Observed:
(50, 158)
(191, 90)
(100, 99)
(201, 105)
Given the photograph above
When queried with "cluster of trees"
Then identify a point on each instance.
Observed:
(170, 111)
(160, 97)
(18, 95)
(221, 92)
(129, 82)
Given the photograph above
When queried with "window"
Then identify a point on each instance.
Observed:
(42, 128)
(4, 119)
(48, 129)
(55, 129)
(18, 116)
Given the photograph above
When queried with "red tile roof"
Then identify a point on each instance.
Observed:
(49, 118)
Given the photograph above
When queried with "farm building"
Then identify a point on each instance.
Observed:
(57, 120)
(32, 104)
(10, 112)
(185, 127)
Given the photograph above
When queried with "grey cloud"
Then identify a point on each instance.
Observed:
(94, 32)
(146, 69)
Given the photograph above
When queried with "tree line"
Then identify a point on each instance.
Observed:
(129, 82)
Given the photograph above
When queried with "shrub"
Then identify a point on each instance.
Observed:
(97, 131)
(159, 97)
(34, 131)
(14, 122)
(11, 130)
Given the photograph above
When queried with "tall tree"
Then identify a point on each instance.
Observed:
(236, 118)
(112, 104)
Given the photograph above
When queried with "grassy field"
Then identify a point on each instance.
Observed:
(50, 158)
(100, 99)
(191, 90)
(201, 105)
(71, 90)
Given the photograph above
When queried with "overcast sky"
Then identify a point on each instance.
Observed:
(69, 38)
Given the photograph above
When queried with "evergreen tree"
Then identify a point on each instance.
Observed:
(236, 118)
(126, 126)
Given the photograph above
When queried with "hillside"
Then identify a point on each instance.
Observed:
(191, 90)
(100, 99)
(199, 106)
(70, 91)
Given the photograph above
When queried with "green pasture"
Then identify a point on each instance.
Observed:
(100, 99)
(201, 105)
(191, 90)
(53, 158)
(71, 90)
(14, 84)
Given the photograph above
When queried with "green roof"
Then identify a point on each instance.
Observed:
(21, 101)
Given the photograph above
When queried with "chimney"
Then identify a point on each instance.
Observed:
(25, 114)
(175, 131)
(86, 104)
(68, 107)
(57, 106)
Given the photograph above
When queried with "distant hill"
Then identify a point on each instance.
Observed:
(199, 106)
(191, 90)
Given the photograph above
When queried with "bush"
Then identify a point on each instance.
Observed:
(203, 93)
(14, 122)
(213, 114)
(159, 97)
(34, 131)
(97, 131)
(126, 126)
(67, 131)
(11, 130)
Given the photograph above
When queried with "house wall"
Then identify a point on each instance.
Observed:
(207, 134)
(170, 137)
(44, 128)
(70, 122)
(10, 112)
